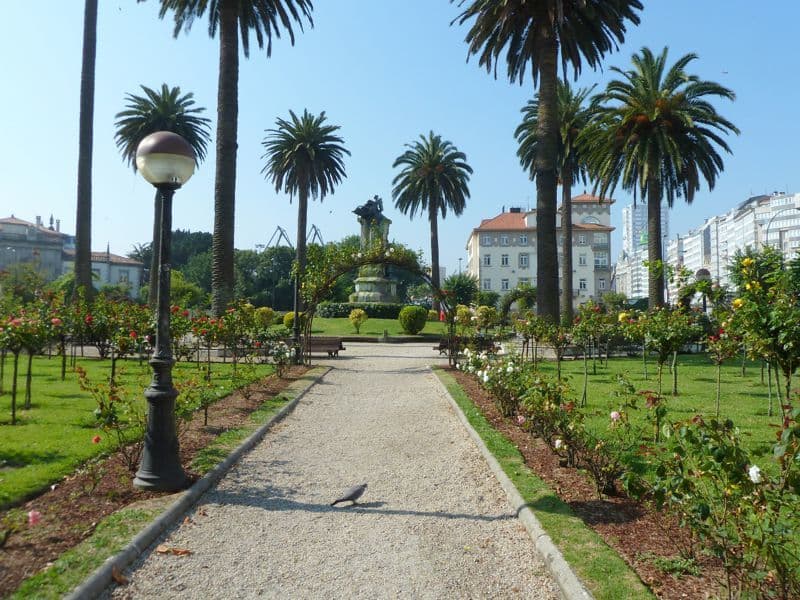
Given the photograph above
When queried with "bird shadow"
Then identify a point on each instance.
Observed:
(272, 499)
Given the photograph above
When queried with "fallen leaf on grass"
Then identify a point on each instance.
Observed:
(118, 577)
(164, 549)
(187, 521)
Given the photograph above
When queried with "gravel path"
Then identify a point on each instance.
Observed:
(434, 523)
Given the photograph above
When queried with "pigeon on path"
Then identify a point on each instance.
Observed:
(353, 494)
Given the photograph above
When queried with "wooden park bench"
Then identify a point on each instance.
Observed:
(331, 345)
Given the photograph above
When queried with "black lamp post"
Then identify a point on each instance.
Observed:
(167, 161)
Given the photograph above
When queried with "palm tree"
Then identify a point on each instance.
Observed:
(433, 179)
(657, 134)
(573, 116)
(304, 156)
(265, 18)
(539, 32)
(164, 110)
(83, 219)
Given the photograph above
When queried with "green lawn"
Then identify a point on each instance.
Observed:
(372, 328)
(743, 399)
(55, 437)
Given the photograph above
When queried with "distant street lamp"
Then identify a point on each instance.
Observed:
(459, 266)
(167, 161)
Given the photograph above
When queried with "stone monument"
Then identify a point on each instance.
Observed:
(372, 283)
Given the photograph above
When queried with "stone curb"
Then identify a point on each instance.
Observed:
(98, 581)
(571, 587)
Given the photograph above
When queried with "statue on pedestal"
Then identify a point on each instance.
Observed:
(372, 284)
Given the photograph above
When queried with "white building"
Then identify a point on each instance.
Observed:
(630, 273)
(501, 251)
(759, 221)
(111, 269)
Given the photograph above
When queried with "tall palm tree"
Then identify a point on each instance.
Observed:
(83, 218)
(304, 156)
(164, 110)
(573, 116)
(540, 32)
(265, 18)
(433, 179)
(657, 134)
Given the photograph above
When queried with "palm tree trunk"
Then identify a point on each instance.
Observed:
(225, 183)
(655, 286)
(83, 220)
(302, 217)
(433, 218)
(566, 246)
(545, 167)
(152, 290)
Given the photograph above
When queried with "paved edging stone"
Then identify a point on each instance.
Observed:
(569, 583)
(99, 580)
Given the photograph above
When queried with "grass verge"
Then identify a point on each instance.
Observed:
(72, 567)
(600, 568)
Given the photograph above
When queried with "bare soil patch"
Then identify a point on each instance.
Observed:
(71, 509)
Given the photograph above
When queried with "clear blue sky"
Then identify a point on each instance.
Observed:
(386, 71)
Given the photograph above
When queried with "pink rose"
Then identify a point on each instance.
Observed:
(615, 416)
(34, 517)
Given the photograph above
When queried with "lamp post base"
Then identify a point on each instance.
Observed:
(160, 468)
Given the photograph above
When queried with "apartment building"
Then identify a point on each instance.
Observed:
(765, 220)
(501, 251)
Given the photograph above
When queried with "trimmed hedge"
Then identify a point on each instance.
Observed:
(374, 310)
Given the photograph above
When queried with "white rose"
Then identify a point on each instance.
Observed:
(755, 474)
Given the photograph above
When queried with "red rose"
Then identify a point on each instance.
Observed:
(88, 320)
(185, 312)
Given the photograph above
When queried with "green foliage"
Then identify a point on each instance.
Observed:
(525, 297)
(487, 298)
(412, 319)
(357, 317)
(288, 320)
(462, 287)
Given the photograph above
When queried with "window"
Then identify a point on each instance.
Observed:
(600, 238)
(582, 260)
(524, 261)
(124, 276)
(582, 284)
(601, 259)
(504, 284)
(582, 239)
(487, 260)
(504, 240)
(524, 281)
(486, 240)
(523, 239)
(504, 260)
(602, 284)
(487, 284)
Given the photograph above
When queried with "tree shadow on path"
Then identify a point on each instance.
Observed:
(271, 499)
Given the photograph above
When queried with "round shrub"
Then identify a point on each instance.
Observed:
(412, 319)
(288, 320)
(264, 316)
(357, 317)
(433, 315)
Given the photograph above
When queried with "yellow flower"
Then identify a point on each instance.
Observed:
(623, 316)
(747, 262)
(737, 303)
